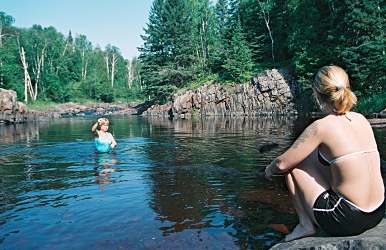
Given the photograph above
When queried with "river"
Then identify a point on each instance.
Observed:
(183, 184)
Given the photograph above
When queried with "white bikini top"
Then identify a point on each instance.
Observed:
(325, 161)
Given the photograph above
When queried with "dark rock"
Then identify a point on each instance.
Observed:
(267, 147)
(143, 107)
(374, 238)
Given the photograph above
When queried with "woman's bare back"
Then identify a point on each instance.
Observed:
(357, 174)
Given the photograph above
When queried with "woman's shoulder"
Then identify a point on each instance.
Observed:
(357, 115)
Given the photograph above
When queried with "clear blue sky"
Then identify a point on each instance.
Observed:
(116, 22)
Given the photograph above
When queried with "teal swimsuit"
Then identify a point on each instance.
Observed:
(102, 146)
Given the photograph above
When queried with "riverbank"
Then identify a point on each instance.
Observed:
(14, 111)
(72, 109)
(273, 93)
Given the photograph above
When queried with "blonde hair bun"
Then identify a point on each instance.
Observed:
(333, 85)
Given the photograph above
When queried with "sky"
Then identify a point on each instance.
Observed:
(116, 22)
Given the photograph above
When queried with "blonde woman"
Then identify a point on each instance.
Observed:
(104, 141)
(333, 169)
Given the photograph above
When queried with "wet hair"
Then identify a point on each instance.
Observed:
(102, 121)
(332, 86)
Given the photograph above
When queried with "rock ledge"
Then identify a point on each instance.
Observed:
(374, 238)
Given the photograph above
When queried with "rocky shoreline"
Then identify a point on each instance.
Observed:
(374, 238)
(13, 111)
(98, 109)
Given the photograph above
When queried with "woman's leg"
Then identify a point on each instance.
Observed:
(305, 183)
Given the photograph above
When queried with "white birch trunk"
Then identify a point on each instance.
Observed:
(113, 63)
(38, 71)
(265, 13)
(85, 69)
(1, 46)
(27, 79)
(84, 60)
(130, 74)
(107, 67)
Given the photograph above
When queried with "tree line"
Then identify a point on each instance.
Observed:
(42, 64)
(188, 41)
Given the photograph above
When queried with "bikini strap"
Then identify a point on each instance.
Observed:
(323, 159)
(351, 154)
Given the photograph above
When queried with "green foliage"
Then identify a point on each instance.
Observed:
(62, 68)
(239, 62)
(371, 104)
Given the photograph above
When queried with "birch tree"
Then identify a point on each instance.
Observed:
(265, 7)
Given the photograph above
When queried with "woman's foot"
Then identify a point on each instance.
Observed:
(300, 231)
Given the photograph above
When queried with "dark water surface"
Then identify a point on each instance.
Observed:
(169, 184)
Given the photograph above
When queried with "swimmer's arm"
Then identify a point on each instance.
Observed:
(113, 142)
(94, 128)
(304, 145)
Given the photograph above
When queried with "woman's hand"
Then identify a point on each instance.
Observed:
(270, 170)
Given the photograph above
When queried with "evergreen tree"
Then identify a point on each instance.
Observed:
(362, 43)
(219, 31)
(239, 62)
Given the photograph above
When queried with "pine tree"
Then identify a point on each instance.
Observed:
(221, 40)
(239, 62)
(362, 43)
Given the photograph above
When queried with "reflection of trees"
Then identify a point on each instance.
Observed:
(208, 167)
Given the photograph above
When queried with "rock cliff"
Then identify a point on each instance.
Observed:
(271, 92)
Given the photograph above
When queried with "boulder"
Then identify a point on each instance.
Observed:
(8, 100)
(374, 238)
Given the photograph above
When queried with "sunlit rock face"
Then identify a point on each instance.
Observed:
(271, 92)
(11, 110)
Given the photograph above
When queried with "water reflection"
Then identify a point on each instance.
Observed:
(19, 132)
(105, 165)
(207, 176)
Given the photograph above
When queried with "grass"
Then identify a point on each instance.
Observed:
(41, 105)
(371, 104)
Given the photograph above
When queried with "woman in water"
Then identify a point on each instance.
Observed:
(104, 141)
(333, 169)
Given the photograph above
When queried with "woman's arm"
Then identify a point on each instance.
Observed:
(306, 143)
(94, 127)
(113, 142)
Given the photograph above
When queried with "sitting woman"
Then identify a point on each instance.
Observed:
(333, 169)
(104, 141)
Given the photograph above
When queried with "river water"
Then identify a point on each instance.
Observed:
(185, 184)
